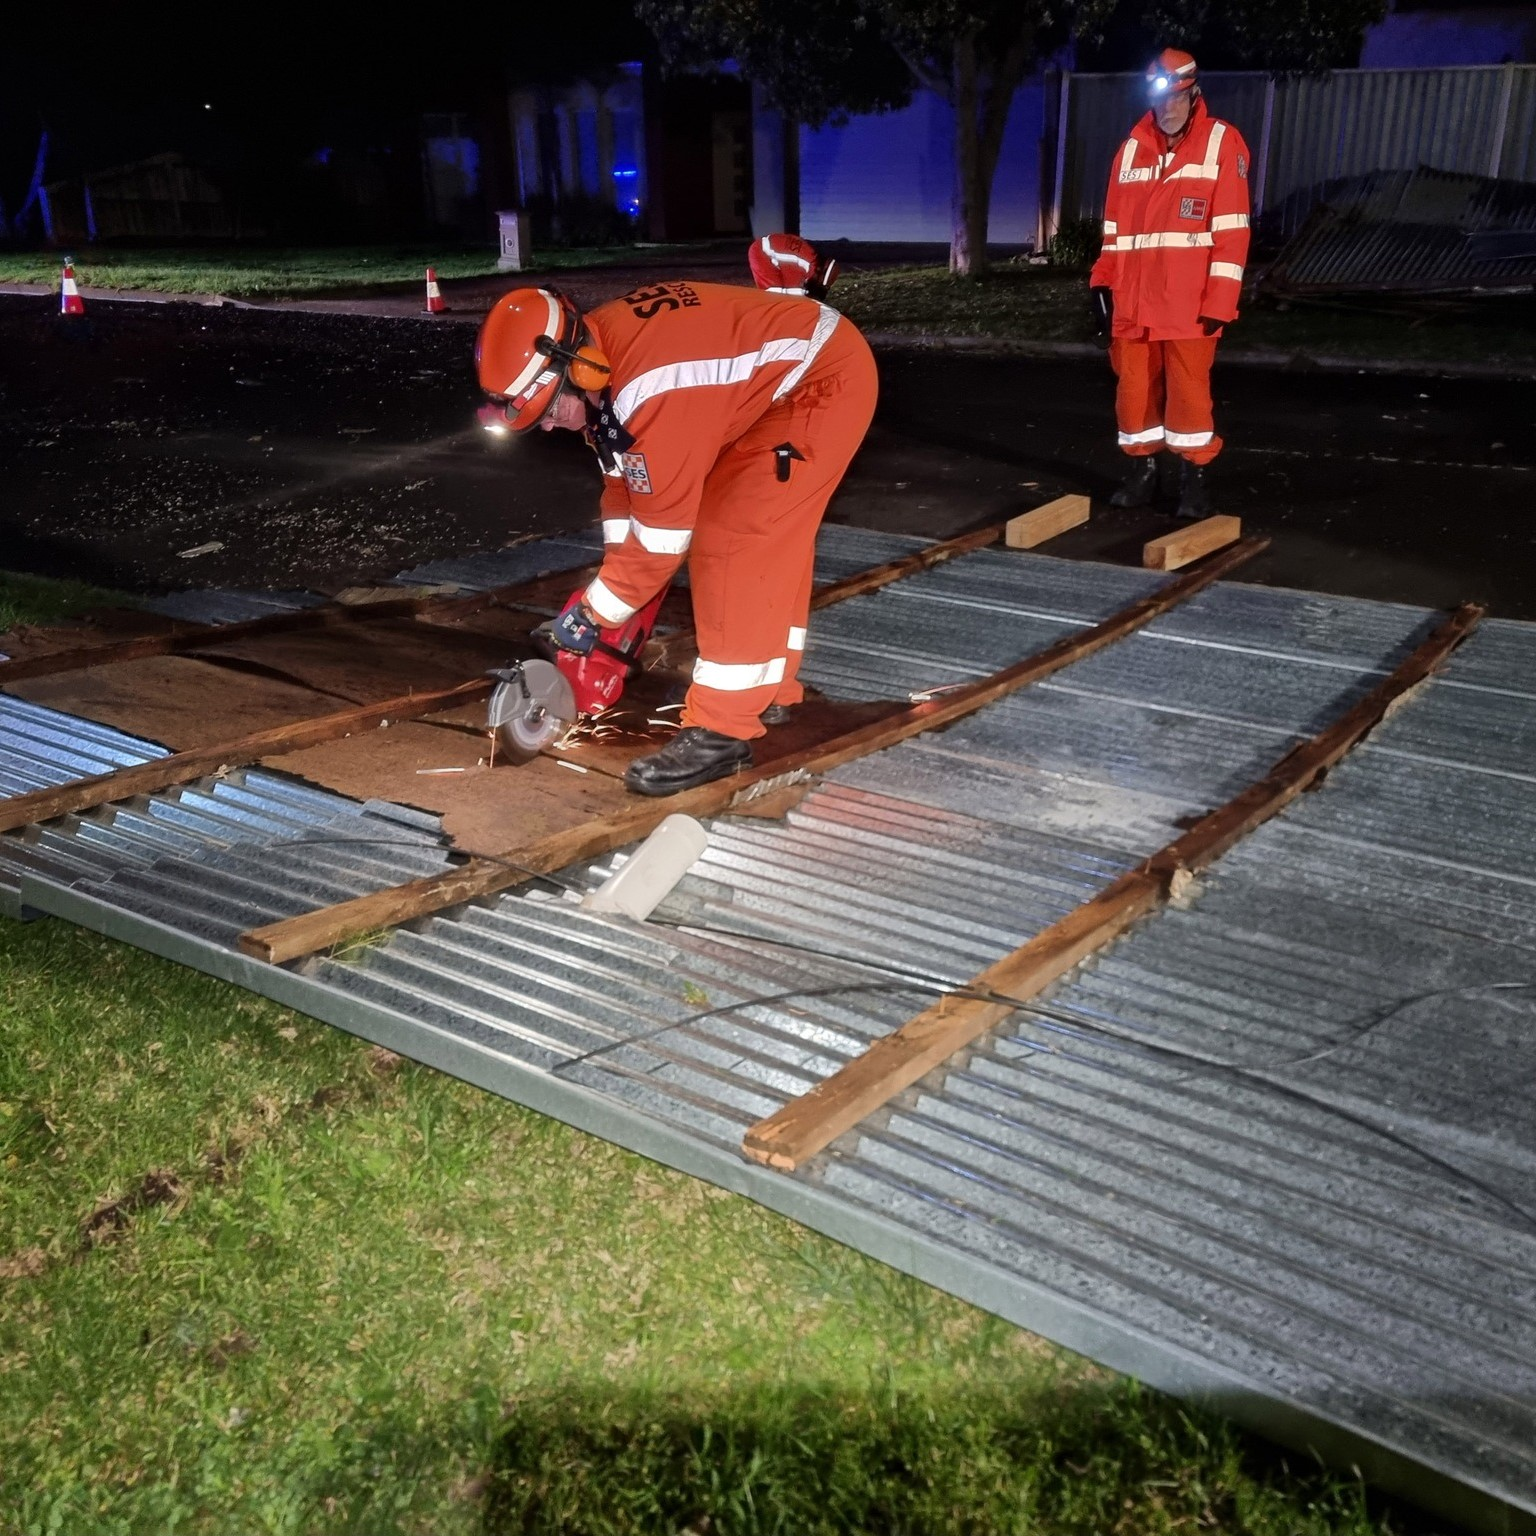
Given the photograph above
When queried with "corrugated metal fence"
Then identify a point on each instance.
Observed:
(1306, 133)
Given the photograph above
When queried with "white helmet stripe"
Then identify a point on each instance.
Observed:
(538, 360)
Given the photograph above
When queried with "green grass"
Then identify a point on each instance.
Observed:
(34, 600)
(256, 1276)
(1024, 303)
(257, 272)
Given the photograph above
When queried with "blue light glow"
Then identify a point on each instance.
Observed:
(625, 172)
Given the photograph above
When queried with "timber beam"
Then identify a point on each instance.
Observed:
(806, 1125)
(311, 932)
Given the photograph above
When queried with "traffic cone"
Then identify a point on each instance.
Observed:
(435, 305)
(70, 302)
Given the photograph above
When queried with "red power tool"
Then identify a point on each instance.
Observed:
(537, 702)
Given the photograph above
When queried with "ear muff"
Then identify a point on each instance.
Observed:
(589, 369)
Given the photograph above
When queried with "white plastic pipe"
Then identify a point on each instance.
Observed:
(651, 872)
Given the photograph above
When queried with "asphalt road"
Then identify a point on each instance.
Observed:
(324, 450)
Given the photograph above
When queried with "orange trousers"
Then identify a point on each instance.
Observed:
(754, 544)
(1163, 396)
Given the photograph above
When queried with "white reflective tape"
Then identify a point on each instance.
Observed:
(1192, 240)
(1227, 269)
(796, 640)
(826, 322)
(1151, 435)
(1110, 227)
(737, 677)
(1205, 172)
(701, 372)
(1127, 160)
(538, 360)
(611, 609)
(1189, 439)
(793, 293)
(776, 255)
(615, 529)
(1230, 221)
(661, 541)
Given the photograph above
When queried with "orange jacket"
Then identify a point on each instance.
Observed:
(1175, 228)
(694, 365)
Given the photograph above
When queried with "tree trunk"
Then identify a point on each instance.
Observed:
(968, 238)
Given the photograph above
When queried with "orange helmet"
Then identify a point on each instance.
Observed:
(1172, 70)
(531, 343)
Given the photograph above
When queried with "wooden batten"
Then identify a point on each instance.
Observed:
(1194, 542)
(806, 1125)
(1032, 528)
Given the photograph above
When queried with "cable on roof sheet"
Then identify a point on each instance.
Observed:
(906, 981)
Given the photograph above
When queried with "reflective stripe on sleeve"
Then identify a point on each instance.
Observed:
(615, 529)
(796, 640)
(611, 609)
(661, 541)
(1193, 239)
(826, 322)
(1189, 439)
(1151, 435)
(1227, 269)
(1230, 221)
(737, 677)
(1110, 227)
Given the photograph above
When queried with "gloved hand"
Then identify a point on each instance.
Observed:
(1101, 305)
(1210, 326)
(575, 629)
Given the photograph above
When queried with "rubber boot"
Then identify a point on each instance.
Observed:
(693, 757)
(1139, 488)
(778, 714)
(1194, 500)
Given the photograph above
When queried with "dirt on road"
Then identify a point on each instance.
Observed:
(154, 447)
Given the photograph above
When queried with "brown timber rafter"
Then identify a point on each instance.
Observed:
(806, 1125)
(294, 937)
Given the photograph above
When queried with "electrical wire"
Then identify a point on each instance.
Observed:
(906, 981)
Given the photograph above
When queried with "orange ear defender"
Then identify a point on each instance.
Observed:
(589, 368)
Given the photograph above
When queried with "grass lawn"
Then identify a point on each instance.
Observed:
(256, 1276)
(258, 272)
(1024, 303)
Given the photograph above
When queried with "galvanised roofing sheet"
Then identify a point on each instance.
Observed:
(1273, 1148)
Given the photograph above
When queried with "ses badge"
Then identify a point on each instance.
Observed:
(636, 476)
(1192, 207)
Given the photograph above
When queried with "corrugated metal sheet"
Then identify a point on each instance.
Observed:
(1478, 120)
(1268, 1149)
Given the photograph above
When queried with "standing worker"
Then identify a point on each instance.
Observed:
(723, 419)
(1169, 277)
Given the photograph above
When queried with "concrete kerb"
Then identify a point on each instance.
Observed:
(399, 307)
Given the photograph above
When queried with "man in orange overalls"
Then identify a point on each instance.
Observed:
(1169, 277)
(723, 419)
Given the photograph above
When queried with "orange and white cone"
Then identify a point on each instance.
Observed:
(435, 305)
(70, 302)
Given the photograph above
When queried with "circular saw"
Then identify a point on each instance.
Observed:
(531, 708)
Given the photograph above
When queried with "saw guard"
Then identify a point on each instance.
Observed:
(531, 708)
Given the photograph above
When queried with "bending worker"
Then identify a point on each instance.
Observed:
(1169, 277)
(723, 419)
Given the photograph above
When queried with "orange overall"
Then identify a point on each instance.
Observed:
(1175, 241)
(743, 411)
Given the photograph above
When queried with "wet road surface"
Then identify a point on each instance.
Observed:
(322, 450)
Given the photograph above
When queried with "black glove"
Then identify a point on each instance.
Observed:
(1101, 304)
(1210, 326)
(575, 630)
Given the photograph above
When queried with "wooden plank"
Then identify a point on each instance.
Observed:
(1190, 543)
(182, 639)
(1032, 528)
(804, 1126)
(182, 767)
(313, 931)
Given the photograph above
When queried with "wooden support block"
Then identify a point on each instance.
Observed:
(1191, 543)
(1032, 528)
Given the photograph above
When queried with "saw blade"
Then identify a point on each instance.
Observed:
(532, 709)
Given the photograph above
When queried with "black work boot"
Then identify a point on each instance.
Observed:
(1194, 502)
(778, 714)
(693, 757)
(1140, 486)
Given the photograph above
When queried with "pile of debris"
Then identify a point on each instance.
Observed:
(1414, 232)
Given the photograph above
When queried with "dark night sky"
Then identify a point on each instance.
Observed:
(115, 81)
